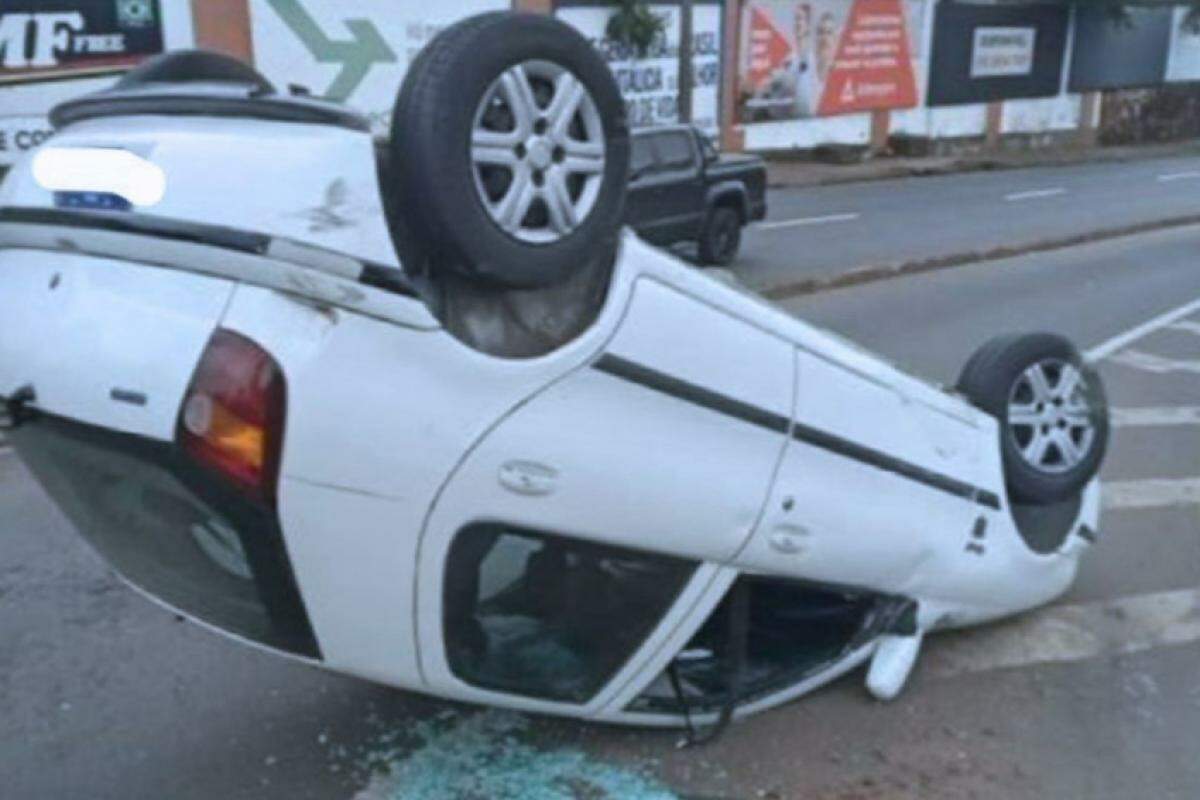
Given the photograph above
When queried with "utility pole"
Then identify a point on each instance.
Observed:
(685, 60)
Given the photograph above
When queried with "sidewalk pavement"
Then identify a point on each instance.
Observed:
(785, 170)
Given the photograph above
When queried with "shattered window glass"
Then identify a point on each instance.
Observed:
(547, 616)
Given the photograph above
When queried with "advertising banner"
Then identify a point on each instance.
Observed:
(996, 52)
(52, 39)
(1183, 64)
(354, 51)
(819, 58)
(650, 83)
(1113, 53)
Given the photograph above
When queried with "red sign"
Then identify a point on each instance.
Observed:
(873, 66)
(768, 47)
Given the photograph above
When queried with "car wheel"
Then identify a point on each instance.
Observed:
(1052, 410)
(511, 151)
(721, 237)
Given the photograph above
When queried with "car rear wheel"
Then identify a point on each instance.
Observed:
(511, 151)
(1052, 411)
(721, 237)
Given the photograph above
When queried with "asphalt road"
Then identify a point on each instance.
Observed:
(820, 231)
(106, 696)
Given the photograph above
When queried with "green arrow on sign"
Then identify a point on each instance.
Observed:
(356, 56)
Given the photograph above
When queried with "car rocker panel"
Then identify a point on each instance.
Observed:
(695, 509)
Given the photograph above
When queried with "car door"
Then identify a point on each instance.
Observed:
(575, 539)
(865, 495)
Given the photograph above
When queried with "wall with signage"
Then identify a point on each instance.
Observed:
(985, 53)
(53, 50)
(1112, 54)
(802, 59)
(354, 52)
(650, 83)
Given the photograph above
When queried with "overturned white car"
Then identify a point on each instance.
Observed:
(423, 414)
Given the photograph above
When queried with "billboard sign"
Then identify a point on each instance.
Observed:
(820, 58)
(998, 51)
(1120, 54)
(983, 53)
(352, 51)
(1183, 63)
(650, 83)
(52, 39)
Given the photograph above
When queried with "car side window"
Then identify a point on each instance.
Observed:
(548, 616)
(675, 150)
(641, 159)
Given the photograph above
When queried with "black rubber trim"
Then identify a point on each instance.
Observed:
(274, 109)
(142, 224)
(691, 393)
(722, 404)
(374, 275)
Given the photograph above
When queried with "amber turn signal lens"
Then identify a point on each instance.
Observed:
(232, 417)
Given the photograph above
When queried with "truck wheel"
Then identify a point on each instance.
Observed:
(511, 151)
(1052, 411)
(721, 237)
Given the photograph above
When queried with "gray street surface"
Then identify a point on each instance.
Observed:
(104, 695)
(824, 230)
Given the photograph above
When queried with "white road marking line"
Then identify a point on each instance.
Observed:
(1107, 348)
(1151, 493)
(1150, 417)
(1191, 326)
(1034, 194)
(1070, 633)
(792, 223)
(1159, 365)
(1178, 176)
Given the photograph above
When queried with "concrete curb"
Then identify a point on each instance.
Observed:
(872, 273)
(887, 169)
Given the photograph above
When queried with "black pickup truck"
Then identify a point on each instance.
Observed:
(682, 190)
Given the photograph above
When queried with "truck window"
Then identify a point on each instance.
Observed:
(675, 150)
(641, 158)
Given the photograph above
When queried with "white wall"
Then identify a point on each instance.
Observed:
(405, 26)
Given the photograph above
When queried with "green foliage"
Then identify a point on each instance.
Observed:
(634, 24)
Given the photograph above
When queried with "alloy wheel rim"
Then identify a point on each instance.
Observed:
(538, 152)
(1049, 418)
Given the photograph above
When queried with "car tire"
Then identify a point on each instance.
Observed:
(510, 152)
(1052, 410)
(721, 237)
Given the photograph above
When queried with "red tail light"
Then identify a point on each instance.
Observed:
(233, 414)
